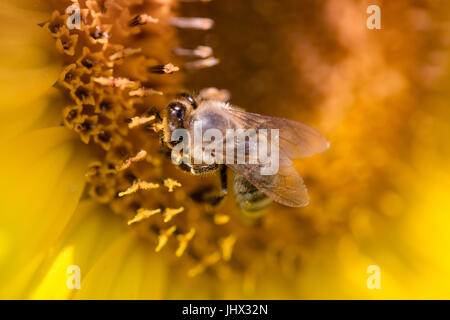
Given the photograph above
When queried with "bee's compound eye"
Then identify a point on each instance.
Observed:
(177, 110)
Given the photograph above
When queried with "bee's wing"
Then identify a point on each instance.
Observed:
(296, 140)
(286, 187)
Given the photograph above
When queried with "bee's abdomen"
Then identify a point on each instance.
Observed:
(247, 196)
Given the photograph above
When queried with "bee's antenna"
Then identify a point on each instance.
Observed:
(189, 98)
(154, 111)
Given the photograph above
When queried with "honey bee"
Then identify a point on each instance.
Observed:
(252, 189)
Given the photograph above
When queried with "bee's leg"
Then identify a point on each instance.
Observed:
(223, 181)
(204, 168)
(198, 169)
(209, 194)
(164, 149)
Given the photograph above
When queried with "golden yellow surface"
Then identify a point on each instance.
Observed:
(379, 196)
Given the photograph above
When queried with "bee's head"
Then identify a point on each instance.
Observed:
(175, 115)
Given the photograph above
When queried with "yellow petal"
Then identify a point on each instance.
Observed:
(15, 286)
(30, 116)
(41, 181)
(127, 270)
(57, 282)
(19, 87)
(92, 229)
(35, 6)
(29, 67)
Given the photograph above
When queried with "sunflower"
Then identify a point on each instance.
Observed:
(85, 191)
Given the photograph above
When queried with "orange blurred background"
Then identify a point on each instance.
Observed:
(381, 194)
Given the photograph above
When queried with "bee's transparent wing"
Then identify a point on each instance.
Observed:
(285, 187)
(296, 140)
